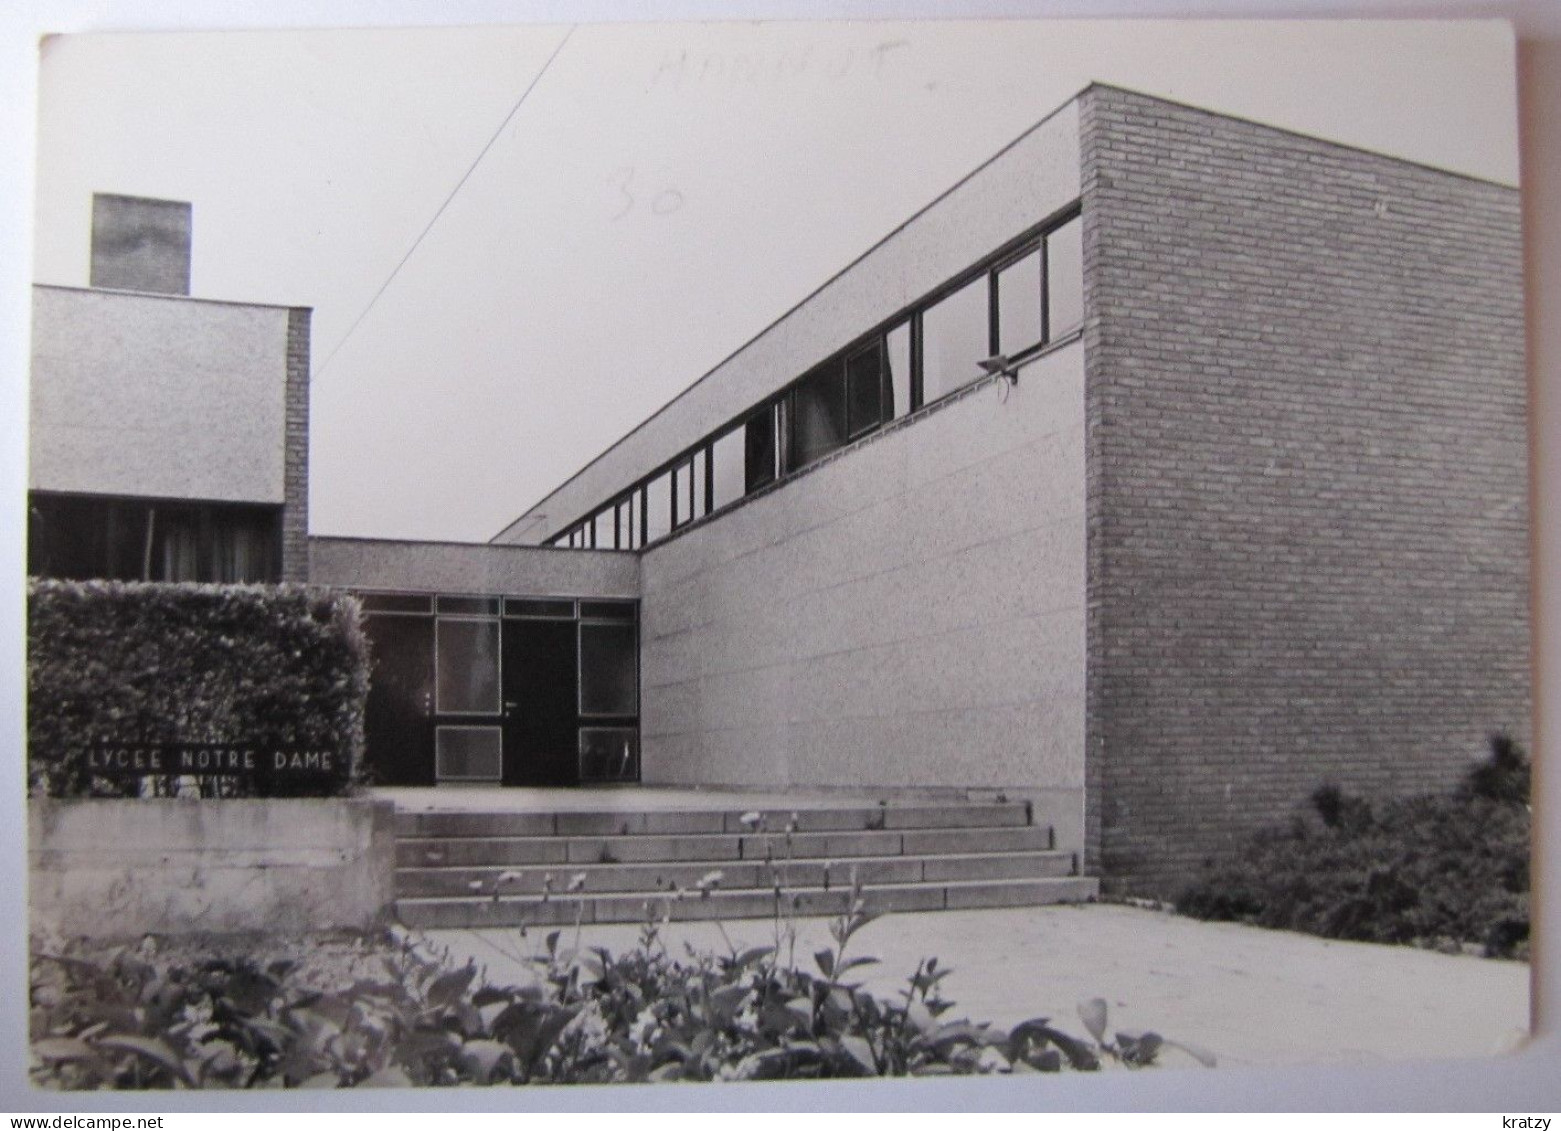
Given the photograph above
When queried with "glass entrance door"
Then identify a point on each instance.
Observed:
(540, 720)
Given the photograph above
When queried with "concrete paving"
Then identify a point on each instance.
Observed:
(1250, 996)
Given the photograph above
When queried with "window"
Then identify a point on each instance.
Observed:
(701, 484)
(467, 659)
(606, 610)
(609, 754)
(819, 413)
(88, 537)
(609, 673)
(897, 355)
(535, 607)
(864, 389)
(606, 529)
(1019, 305)
(658, 507)
(726, 461)
(623, 522)
(479, 606)
(760, 449)
(955, 334)
(688, 490)
(468, 753)
(1065, 278)
(395, 602)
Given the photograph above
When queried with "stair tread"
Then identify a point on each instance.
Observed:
(1024, 853)
(467, 838)
(814, 889)
(843, 807)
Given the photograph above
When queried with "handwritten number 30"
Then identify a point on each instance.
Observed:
(665, 202)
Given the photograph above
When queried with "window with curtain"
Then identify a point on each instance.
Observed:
(90, 537)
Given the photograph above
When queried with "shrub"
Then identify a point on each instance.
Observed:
(275, 667)
(1447, 871)
(394, 1012)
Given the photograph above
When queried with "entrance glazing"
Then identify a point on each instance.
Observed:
(526, 691)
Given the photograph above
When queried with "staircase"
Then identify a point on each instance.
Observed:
(506, 869)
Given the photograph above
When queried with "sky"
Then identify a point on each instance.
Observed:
(663, 193)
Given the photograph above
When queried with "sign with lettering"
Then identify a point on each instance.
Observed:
(258, 763)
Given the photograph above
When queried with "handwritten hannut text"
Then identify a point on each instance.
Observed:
(834, 63)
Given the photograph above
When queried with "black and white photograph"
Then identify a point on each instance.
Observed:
(622, 553)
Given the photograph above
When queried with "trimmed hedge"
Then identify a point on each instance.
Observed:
(282, 667)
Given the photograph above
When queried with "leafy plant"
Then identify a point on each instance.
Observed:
(396, 1011)
(1444, 871)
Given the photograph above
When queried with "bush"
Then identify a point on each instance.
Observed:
(273, 667)
(1446, 871)
(393, 1012)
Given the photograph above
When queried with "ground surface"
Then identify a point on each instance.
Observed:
(1251, 996)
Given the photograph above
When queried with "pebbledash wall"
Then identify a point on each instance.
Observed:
(471, 568)
(1263, 527)
(909, 614)
(1308, 551)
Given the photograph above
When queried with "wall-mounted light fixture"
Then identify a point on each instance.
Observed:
(1000, 364)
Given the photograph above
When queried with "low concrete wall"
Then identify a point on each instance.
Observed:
(111, 868)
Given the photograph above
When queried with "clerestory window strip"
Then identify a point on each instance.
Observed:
(886, 374)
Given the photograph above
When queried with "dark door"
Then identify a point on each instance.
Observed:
(398, 719)
(541, 715)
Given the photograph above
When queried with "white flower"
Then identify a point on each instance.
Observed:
(644, 1028)
(991, 1060)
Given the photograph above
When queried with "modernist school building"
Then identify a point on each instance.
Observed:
(1164, 468)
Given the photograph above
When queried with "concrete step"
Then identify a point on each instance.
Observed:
(860, 818)
(465, 882)
(534, 911)
(476, 851)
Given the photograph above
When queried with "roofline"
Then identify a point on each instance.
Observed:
(1028, 130)
(164, 295)
(505, 546)
(1318, 138)
(800, 303)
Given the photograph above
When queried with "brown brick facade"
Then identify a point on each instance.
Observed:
(295, 510)
(1307, 468)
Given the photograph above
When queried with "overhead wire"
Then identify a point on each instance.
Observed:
(519, 102)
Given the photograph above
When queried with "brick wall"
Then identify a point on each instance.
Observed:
(295, 470)
(1306, 478)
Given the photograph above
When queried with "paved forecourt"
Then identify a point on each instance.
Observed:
(1250, 996)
